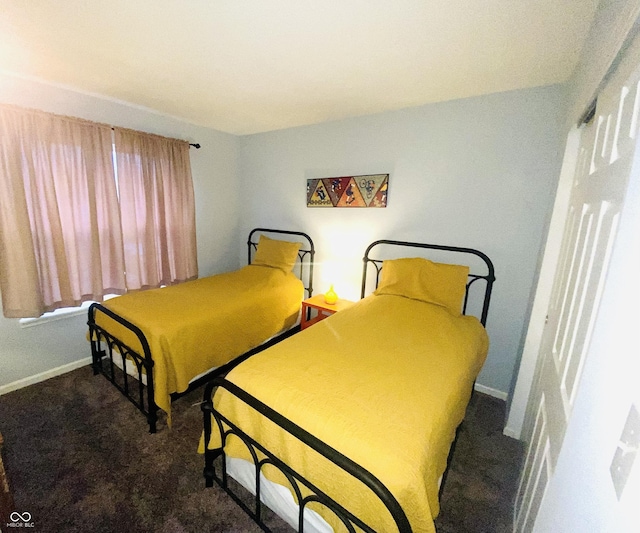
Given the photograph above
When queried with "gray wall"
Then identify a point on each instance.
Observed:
(479, 172)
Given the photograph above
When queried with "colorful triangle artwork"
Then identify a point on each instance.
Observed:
(351, 197)
(336, 188)
(311, 187)
(319, 196)
(348, 191)
(380, 199)
(370, 186)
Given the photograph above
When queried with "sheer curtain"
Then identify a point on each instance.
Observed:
(60, 232)
(157, 209)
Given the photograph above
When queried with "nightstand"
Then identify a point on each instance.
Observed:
(322, 309)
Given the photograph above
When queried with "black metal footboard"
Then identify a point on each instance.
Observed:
(296, 480)
(107, 349)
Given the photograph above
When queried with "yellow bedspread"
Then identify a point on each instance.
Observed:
(201, 324)
(386, 382)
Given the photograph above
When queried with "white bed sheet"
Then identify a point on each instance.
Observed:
(276, 497)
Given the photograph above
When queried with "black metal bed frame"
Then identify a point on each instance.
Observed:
(227, 428)
(105, 346)
(489, 277)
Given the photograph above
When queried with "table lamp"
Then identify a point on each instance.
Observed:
(330, 296)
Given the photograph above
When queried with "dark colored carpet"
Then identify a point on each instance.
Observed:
(80, 459)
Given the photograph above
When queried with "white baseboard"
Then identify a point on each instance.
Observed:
(511, 432)
(491, 392)
(507, 431)
(25, 382)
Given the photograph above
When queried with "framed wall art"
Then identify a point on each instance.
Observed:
(348, 191)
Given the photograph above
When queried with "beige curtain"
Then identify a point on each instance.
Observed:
(60, 235)
(157, 209)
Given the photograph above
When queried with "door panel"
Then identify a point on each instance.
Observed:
(606, 152)
(536, 472)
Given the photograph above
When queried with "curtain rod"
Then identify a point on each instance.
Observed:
(195, 145)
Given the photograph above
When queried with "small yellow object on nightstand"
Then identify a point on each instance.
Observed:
(316, 305)
(330, 296)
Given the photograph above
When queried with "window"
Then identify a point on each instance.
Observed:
(69, 233)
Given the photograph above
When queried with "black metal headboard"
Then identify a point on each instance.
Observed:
(305, 254)
(489, 277)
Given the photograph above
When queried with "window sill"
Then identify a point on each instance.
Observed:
(59, 314)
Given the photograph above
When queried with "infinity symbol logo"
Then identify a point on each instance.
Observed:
(17, 517)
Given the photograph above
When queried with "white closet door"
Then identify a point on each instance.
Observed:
(606, 153)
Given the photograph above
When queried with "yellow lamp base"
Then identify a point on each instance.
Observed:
(330, 296)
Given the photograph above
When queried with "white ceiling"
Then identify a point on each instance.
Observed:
(247, 66)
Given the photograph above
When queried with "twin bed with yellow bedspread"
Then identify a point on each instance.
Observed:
(172, 335)
(350, 422)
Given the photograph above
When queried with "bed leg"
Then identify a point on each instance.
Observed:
(445, 474)
(96, 356)
(152, 418)
(209, 471)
